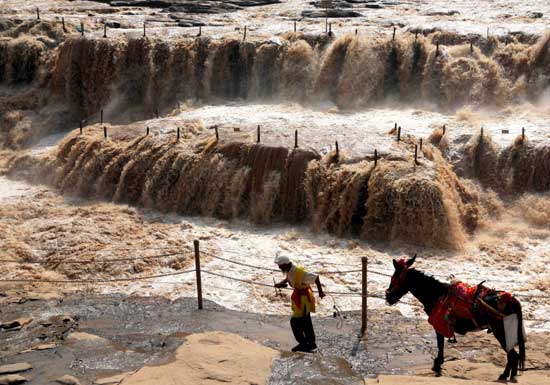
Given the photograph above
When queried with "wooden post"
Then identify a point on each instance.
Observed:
(364, 296)
(101, 117)
(356, 31)
(330, 29)
(80, 125)
(104, 30)
(147, 133)
(37, 13)
(178, 134)
(144, 29)
(399, 133)
(393, 37)
(523, 133)
(294, 26)
(200, 31)
(81, 28)
(481, 135)
(63, 24)
(198, 272)
(337, 151)
(444, 129)
(217, 133)
(420, 144)
(375, 157)
(244, 36)
(296, 139)
(395, 126)
(415, 153)
(258, 139)
(105, 132)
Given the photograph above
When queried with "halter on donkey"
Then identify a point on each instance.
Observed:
(462, 308)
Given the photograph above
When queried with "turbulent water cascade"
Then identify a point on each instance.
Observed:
(397, 200)
(518, 168)
(229, 69)
(140, 77)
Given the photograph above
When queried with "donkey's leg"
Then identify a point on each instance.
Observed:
(497, 326)
(513, 357)
(438, 361)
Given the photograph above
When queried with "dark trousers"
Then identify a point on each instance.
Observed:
(302, 328)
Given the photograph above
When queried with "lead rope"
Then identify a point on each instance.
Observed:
(337, 313)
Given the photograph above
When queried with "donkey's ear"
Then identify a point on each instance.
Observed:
(411, 261)
(395, 265)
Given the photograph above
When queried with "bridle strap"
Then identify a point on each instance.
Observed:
(403, 275)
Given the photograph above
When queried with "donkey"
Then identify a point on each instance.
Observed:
(430, 292)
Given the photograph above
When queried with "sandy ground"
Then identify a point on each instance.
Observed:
(209, 359)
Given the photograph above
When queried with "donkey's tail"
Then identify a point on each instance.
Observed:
(521, 339)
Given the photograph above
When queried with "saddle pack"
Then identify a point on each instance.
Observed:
(469, 302)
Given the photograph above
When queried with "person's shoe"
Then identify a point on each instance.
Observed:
(312, 346)
(298, 348)
(307, 348)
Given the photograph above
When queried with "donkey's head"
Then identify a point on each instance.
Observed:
(399, 285)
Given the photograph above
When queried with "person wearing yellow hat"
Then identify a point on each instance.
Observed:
(302, 301)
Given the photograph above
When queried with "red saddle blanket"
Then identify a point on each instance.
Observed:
(459, 303)
(465, 301)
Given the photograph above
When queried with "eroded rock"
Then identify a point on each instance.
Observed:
(67, 380)
(15, 368)
(16, 324)
(12, 379)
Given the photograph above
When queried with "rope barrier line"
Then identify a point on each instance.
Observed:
(83, 262)
(350, 293)
(98, 280)
(273, 270)
(240, 263)
(120, 248)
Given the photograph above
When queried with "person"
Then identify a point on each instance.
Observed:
(302, 301)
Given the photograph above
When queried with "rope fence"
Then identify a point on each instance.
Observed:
(358, 293)
(83, 262)
(76, 281)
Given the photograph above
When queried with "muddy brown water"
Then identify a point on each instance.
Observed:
(140, 331)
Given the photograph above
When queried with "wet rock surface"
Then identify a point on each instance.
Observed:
(190, 6)
(119, 334)
(331, 13)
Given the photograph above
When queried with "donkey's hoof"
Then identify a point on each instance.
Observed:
(514, 379)
(502, 378)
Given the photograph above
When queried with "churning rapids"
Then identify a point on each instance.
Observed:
(233, 140)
